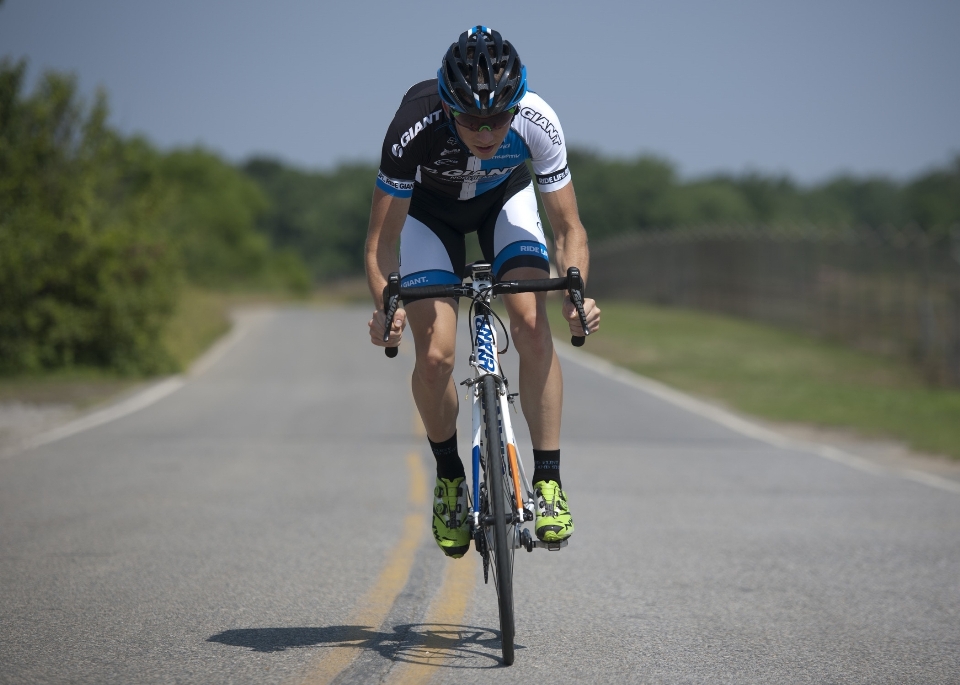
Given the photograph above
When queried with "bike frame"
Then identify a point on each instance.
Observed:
(485, 359)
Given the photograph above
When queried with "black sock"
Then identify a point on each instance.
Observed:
(449, 465)
(546, 465)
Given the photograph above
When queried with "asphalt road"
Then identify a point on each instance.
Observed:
(268, 522)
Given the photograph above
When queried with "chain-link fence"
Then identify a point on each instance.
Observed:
(894, 291)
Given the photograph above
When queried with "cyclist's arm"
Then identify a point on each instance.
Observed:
(387, 214)
(570, 239)
(569, 234)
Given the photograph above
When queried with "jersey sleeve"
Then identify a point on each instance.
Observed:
(540, 128)
(398, 166)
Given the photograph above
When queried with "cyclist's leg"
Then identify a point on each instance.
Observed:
(520, 250)
(520, 253)
(541, 380)
(425, 260)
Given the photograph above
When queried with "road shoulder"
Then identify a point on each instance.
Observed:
(25, 425)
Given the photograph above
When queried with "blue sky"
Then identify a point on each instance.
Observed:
(811, 89)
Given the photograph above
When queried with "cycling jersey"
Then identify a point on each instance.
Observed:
(422, 149)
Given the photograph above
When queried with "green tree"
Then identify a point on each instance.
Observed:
(98, 231)
(714, 200)
(84, 279)
(933, 200)
(214, 224)
(323, 216)
(615, 195)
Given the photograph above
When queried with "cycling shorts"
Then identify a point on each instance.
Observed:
(507, 223)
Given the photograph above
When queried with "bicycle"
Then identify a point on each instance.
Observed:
(503, 500)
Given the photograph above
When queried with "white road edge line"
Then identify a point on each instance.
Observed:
(242, 323)
(741, 425)
(141, 400)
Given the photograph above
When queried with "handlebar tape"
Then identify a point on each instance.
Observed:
(425, 291)
(576, 296)
(532, 286)
(391, 302)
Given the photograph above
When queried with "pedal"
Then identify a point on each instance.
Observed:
(530, 543)
(552, 546)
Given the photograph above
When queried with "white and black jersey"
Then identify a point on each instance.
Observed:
(422, 150)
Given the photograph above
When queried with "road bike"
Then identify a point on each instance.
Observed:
(503, 498)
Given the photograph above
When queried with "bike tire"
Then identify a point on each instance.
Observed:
(503, 547)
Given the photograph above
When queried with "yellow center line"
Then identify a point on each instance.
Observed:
(442, 626)
(373, 608)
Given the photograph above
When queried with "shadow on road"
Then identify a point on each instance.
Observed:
(452, 646)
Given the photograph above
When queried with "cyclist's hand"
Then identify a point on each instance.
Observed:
(376, 325)
(590, 308)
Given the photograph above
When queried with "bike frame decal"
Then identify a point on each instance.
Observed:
(486, 361)
(486, 344)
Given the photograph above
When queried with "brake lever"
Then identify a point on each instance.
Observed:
(391, 302)
(575, 290)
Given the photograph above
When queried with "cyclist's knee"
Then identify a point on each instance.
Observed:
(434, 365)
(531, 333)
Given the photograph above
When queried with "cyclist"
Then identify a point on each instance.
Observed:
(452, 163)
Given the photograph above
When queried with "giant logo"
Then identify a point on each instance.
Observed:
(539, 120)
(412, 132)
(485, 356)
(475, 176)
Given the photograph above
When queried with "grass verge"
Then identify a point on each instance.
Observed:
(201, 317)
(777, 374)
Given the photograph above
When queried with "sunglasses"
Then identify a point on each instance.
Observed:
(493, 123)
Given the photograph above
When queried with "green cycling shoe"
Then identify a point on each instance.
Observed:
(451, 529)
(554, 522)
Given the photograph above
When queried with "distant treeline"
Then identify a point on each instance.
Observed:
(98, 231)
(323, 215)
(645, 193)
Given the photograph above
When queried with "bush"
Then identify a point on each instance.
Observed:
(322, 216)
(214, 223)
(99, 232)
(85, 275)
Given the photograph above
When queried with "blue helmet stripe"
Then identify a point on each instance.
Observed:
(521, 89)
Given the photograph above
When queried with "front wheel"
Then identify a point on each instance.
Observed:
(501, 532)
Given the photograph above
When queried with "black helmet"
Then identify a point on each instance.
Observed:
(481, 74)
